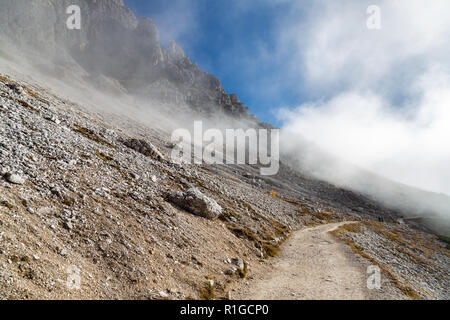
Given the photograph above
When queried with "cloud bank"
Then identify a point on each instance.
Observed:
(379, 99)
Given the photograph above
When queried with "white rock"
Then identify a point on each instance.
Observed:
(196, 202)
(14, 178)
(239, 263)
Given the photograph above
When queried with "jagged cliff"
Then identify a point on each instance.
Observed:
(114, 45)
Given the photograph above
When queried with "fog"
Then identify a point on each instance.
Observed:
(381, 96)
(376, 99)
(121, 87)
(111, 64)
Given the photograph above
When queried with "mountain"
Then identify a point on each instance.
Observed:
(92, 207)
(113, 46)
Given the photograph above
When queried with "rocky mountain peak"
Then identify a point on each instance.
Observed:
(116, 46)
(176, 52)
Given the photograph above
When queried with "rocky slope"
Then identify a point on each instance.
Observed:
(78, 194)
(91, 208)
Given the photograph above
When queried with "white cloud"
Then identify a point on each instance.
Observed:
(337, 42)
(383, 97)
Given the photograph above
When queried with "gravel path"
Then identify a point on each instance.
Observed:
(314, 265)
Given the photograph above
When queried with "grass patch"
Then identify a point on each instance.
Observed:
(347, 228)
(36, 96)
(68, 202)
(418, 259)
(234, 180)
(242, 273)
(444, 239)
(53, 158)
(207, 292)
(245, 233)
(91, 135)
(103, 156)
(3, 79)
(6, 204)
(352, 227)
(293, 202)
(27, 106)
(271, 250)
(323, 216)
(110, 161)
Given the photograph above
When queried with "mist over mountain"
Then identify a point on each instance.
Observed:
(115, 51)
(120, 55)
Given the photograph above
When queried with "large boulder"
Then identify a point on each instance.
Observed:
(195, 202)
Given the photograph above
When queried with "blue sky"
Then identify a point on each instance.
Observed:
(233, 40)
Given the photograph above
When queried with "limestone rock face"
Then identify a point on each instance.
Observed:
(113, 43)
(176, 52)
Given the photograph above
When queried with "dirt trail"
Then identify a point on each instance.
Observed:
(313, 265)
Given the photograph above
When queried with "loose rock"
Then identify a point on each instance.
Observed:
(14, 178)
(196, 202)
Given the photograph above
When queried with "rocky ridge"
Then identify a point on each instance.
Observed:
(115, 51)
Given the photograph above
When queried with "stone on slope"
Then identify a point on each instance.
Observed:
(14, 178)
(196, 203)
